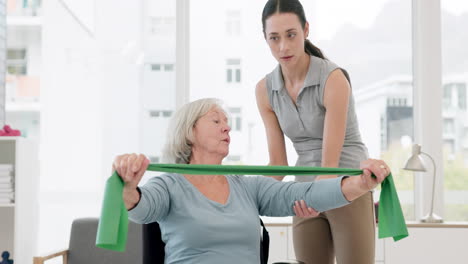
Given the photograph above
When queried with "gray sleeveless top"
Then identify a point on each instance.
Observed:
(303, 123)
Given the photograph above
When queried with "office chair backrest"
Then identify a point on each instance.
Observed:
(153, 246)
(82, 249)
(264, 244)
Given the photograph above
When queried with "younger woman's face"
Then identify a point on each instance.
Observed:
(285, 37)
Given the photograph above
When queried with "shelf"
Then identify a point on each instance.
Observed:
(24, 21)
(450, 224)
(9, 138)
(23, 107)
(18, 227)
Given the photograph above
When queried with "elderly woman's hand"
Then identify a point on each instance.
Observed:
(301, 210)
(130, 168)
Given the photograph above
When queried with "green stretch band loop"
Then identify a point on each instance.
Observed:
(113, 224)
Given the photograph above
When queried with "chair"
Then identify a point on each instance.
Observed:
(82, 249)
(144, 245)
(153, 251)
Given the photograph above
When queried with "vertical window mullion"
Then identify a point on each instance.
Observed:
(427, 74)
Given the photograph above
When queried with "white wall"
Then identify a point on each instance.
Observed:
(90, 96)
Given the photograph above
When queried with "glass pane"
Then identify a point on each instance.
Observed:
(231, 51)
(158, 79)
(462, 96)
(455, 131)
(378, 58)
(156, 67)
(369, 43)
(229, 75)
(110, 89)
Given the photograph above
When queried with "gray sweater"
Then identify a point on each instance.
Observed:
(198, 230)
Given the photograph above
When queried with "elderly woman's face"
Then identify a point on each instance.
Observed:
(211, 133)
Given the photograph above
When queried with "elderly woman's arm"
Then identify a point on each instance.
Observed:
(154, 202)
(151, 202)
(277, 198)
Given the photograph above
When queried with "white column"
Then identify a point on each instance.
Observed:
(182, 52)
(427, 74)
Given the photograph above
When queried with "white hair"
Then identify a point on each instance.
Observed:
(178, 146)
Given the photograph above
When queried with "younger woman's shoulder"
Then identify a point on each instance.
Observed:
(325, 63)
(261, 85)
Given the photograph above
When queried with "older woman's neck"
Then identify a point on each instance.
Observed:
(206, 159)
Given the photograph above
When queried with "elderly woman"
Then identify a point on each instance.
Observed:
(214, 218)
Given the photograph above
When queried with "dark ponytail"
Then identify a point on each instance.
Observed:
(290, 6)
(313, 50)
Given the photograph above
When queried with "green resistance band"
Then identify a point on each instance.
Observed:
(113, 224)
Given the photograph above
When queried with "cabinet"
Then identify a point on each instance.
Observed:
(279, 243)
(282, 248)
(18, 219)
(430, 244)
(427, 243)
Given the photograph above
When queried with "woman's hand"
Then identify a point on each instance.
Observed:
(130, 168)
(301, 210)
(372, 166)
(354, 187)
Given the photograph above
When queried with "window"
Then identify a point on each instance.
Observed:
(155, 67)
(449, 149)
(154, 159)
(104, 103)
(454, 113)
(233, 158)
(461, 94)
(247, 61)
(233, 71)
(235, 118)
(383, 132)
(162, 67)
(383, 101)
(162, 25)
(168, 67)
(233, 22)
(447, 99)
(449, 126)
(17, 63)
(160, 113)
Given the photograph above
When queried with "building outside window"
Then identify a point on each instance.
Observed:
(17, 63)
(454, 113)
(233, 70)
(168, 67)
(235, 118)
